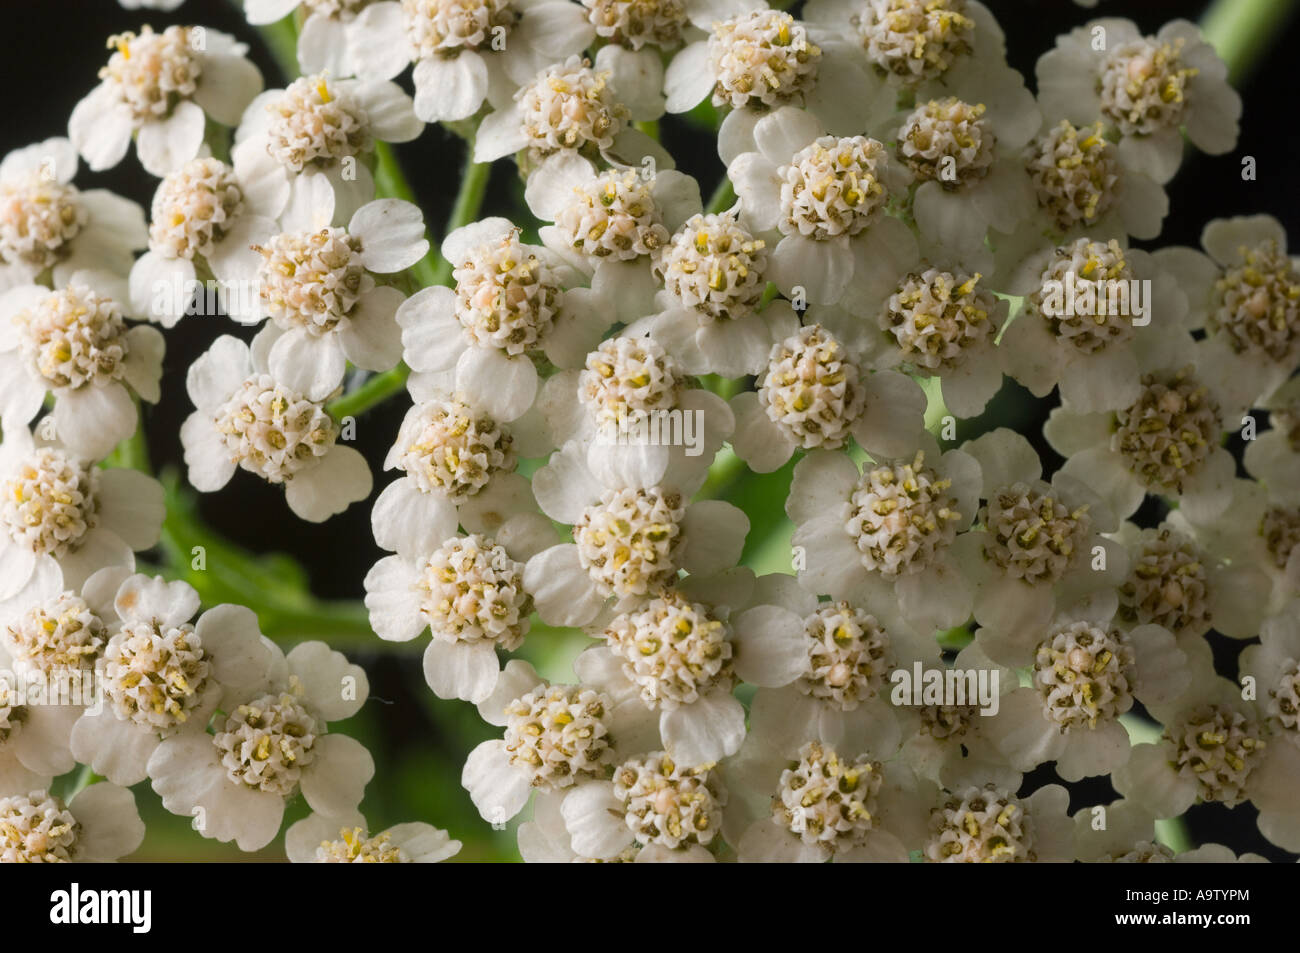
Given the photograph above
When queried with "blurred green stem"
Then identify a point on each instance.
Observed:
(1241, 30)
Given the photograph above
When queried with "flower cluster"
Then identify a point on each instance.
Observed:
(903, 225)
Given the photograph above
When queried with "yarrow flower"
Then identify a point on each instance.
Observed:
(161, 88)
(245, 418)
(163, 676)
(49, 226)
(322, 839)
(101, 824)
(272, 742)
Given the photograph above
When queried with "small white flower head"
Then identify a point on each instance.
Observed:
(1084, 673)
(613, 215)
(915, 40)
(981, 826)
(101, 824)
(831, 187)
(1257, 304)
(324, 839)
(761, 57)
(245, 418)
(826, 800)
(48, 225)
(1143, 85)
(1094, 265)
(630, 541)
(267, 743)
(949, 133)
(1280, 529)
(442, 28)
(557, 735)
(1032, 534)
(474, 592)
(1216, 747)
(668, 804)
(848, 655)
(714, 266)
(812, 390)
(1147, 89)
(507, 297)
(272, 743)
(637, 23)
(318, 288)
(628, 376)
(1168, 584)
(939, 319)
(450, 448)
(161, 88)
(901, 516)
(314, 124)
(61, 633)
(570, 106)
(272, 431)
(75, 344)
(674, 650)
(1168, 434)
(1075, 173)
(50, 502)
(194, 208)
(163, 675)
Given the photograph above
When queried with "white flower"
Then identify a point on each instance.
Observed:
(205, 214)
(1274, 666)
(712, 317)
(822, 194)
(964, 156)
(75, 344)
(634, 529)
(556, 736)
(245, 418)
(888, 534)
(161, 88)
(813, 802)
(629, 381)
(321, 839)
(100, 825)
(1081, 327)
(755, 59)
(162, 675)
(569, 107)
(1146, 89)
(954, 745)
(1190, 579)
(1085, 673)
(63, 518)
(1042, 549)
(638, 35)
(610, 225)
(272, 743)
(509, 303)
(1083, 186)
(1219, 747)
(317, 286)
(814, 394)
(465, 51)
(1165, 442)
(673, 653)
(316, 135)
(1124, 833)
(672, 812)
(48, 223)
(53, 637)
(1273, 455)
(469, 593)
(823, 669)
(991, 825)
(1245, 293)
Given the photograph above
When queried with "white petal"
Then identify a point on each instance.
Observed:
(391, 233)
(704, 731)
(460, 670)
(339, 480)
(167, 144)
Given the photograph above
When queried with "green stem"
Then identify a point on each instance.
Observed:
(723, 197)
(1241, 30)
(432, 270)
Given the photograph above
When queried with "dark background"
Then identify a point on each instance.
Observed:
(51, 61)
